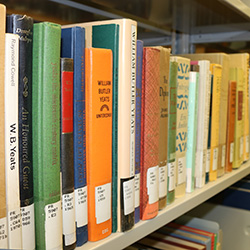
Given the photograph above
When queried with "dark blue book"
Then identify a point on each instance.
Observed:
(73, 46)
(139, 57)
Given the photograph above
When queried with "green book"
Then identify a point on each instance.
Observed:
(171, 148)
(46, 135)
(107, 37)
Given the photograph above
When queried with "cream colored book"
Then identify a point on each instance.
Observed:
(181, 122)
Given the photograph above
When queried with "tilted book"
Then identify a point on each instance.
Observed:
(150, 126)
(3, 214)
(139, 60)
(22, 25)
(126, 116)
(99, 141)
(171, 141)
(46, 135)
(73, 46)
(67, 157)
(181, 123)
(11, 142)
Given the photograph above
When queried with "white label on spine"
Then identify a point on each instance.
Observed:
(215, 159)
(181, 170)
(189, 180)
(153, 184)
(162, 181)
(81, 206)
(68, 212)
(53, 226)
(171, 176)
(129, 195)
(103, 203)
(28, 227)
(132, 102)
(3, 233)
(231, 158)
(241, 146)
(247, 144)
(208, 160)
(223, 158)
(14, 229)
(137, 190)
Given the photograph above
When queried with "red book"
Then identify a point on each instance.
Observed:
(150, 112)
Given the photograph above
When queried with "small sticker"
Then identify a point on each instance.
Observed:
(189, 180)
(129, 194)
(241, 146)
(223, 158)
(181, 170)
(81, 206)
(3, 233)
(137, 190)
(171, 175)
(208, 160)
(215, 159)
(152, 184)
(231, 158)
(162, 181)
(14, 229)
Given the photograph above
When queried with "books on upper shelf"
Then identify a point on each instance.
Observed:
(181, 123)
(46, 135)
(150, 115)
(126, 115)
(99, 141)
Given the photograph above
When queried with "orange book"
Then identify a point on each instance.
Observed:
(98, 80)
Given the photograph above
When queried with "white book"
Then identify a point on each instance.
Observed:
(11, 142)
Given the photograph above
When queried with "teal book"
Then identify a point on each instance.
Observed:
(107, 37)
(192, 126)
(46, 135)
(171, 147)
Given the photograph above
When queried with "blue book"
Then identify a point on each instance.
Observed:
(73, 46)
(139, 57)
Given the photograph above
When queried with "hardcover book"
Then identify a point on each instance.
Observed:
(11, 142)
(46, 135)
(73, 46)
(126, 116)
(171, 142)
(150, 126)
(99, 141)
(23, 27)
(3, 214)
(67, 158)
(181, 123)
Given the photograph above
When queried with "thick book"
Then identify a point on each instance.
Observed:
(46, 135)
(67, 157)
(139, 59)
(181, 123)
(223, 60)
(73, 46)
(22, 25)
(126, 116)
(163, 136)
(237, 74)
(3, 213)
(11, 142)
(192, 126)
(230, 125)
(216, 71)
(171, 141)
(150, 126)
(99, 141)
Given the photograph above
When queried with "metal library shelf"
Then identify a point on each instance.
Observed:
(171, 212)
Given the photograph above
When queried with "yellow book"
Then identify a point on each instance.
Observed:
(216, 72)
(237, 74)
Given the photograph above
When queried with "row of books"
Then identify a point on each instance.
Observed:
(184, 233)
(110, 134)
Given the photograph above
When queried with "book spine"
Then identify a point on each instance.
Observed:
(246, 112)
(67, 158)
(163, 136)
(46, 135)
(23, 27)
(192, 129)
(107, 37)
(139, 54)
(99, 141)
(11, 141)
(3, 215)
(149, 196)
(171, 146)
(230, 125)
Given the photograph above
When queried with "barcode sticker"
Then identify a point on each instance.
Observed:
(208, 160)
(81, 206)
(103, 203)
(231, 157)
(153, 184)
(137, 190)
(3, 233)
(171, 175)
(129, 196)
(215, 158)
(181, 170)
(162, 181)
(223, 158)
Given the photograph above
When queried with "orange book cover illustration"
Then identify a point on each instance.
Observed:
(99, 141)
